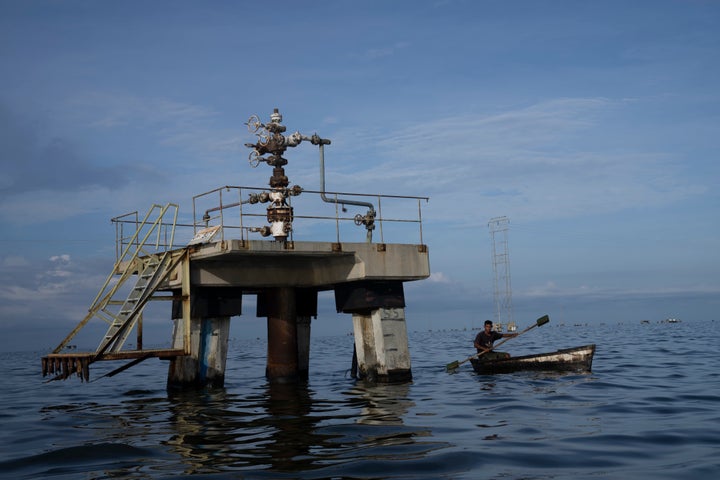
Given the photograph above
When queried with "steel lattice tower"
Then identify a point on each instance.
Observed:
(499, 227)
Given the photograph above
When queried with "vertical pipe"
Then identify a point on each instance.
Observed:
(186, 305)
(382, 237)
(420, 221)
(139, 342)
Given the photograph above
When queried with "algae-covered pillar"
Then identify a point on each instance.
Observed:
(206, 340)
(378, 312)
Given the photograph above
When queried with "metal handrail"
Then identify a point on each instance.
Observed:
(203, 218)
(215, 207)
(159, 228)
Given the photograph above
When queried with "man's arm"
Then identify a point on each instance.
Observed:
(479, 346)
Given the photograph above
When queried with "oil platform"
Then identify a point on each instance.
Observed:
(205, 276)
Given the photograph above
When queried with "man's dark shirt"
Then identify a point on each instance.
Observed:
(486, 340)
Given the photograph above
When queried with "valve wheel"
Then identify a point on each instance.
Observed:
(254, 158)
(254, 124)
(359, 220)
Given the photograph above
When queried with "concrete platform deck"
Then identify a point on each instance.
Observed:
(262, 264)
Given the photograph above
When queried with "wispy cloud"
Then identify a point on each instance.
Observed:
(552, 290)
(33, 161)
(45, 177)
(107, 110)
(386, 51)
(542, 161)
(55, 288)
(188, 128)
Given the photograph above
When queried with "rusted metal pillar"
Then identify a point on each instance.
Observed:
(282, 355)
(303, 346)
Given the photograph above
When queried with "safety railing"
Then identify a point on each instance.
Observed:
(317, 216)
(133, 233)
(238, 212)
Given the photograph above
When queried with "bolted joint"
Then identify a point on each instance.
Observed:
(280, 214)
(316, 140)
(279, 179)
(276, 161)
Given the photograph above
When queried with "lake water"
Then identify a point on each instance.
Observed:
(649, 410)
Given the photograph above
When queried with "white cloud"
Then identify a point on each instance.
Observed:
(438, 277)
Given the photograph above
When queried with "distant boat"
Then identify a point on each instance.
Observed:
(672, 320)
(511, 327)
(577, 359)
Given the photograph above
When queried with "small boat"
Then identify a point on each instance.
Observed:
(577, 359)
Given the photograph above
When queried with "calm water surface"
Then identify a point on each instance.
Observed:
(649, 410)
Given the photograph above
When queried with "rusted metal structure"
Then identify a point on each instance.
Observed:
(204, 269)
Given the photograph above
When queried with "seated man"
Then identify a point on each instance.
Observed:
(485, 339)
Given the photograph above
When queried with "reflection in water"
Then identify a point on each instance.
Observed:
(292, 426)
(284, 428)
(382, 404)
(269, 430)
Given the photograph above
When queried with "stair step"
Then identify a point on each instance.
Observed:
(129, 309)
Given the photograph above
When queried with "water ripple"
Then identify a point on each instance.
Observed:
(647, 411)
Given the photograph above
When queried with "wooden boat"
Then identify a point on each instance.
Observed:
(577, 359)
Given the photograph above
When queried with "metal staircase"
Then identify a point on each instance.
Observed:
(120, 302)
(151, 270)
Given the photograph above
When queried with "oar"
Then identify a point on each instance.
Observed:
(453, 365)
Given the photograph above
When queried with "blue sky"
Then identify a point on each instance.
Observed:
(593, 126)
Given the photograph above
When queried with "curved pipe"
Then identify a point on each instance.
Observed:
(341, 201)
(371, 208)
(206, 217)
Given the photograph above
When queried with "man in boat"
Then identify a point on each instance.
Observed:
(485, 339)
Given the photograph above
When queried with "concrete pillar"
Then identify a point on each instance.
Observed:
(381, 345)
(205, 366)
(282, 355)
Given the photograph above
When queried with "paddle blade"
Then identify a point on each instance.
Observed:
(542, 320)
(452, 366)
